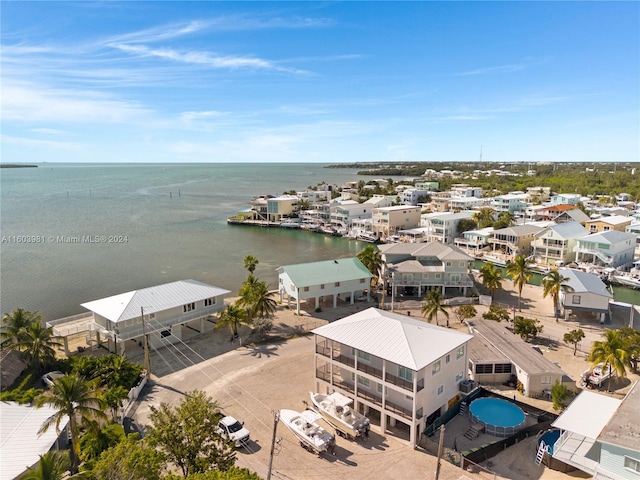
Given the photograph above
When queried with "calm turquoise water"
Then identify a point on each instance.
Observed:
(170, 221)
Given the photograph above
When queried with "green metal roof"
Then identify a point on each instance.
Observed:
(328, 271)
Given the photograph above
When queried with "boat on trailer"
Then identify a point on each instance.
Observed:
(337, 410)
(312, 436)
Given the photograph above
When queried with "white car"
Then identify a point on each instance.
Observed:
(232, 429)
(49, 378)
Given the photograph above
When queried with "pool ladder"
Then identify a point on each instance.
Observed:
(542, 449)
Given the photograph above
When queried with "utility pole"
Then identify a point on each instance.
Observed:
(440, 447)
(147, 358)
(276, 417)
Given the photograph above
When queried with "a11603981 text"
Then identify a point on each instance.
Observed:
(64, 239)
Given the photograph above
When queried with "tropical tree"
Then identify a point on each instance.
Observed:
(491, 278)
(553, 284)
(187, 434)
(13, 324)
(257, 299)
(518, 270)
(433, 305)
(97, 440)
(496, 313)
(573, 338)
(233, 316)
(612, 353)
(484, 217)
(131, 459)
(371, 258)
(505, 219)
(527, 328)
(113, 399)
(52, 465)
(116, 371)
(464, 311)
(465, 225)
(76, 399)
(250, 263)
(37, 344)
(632, 340)
(559, 395)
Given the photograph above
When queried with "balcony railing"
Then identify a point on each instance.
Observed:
(323, 374)
(400, 382)
(345, 360)
(375, 399)
(322, 350)
(376, 372)
(395, 408)
(420, 384)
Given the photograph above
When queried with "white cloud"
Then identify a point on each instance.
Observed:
(36, 143)
(499, 69)
(193, 116)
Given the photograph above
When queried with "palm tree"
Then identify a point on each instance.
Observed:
(372, 259)
(14, 323)
(612, 353)
(264, 305)
(554, 284)
(250, 263)
(491, 278)
(75, 398)
(484, 217)
(233, 317)
(433, 305)
(519, 271)
(52, 465)
(38, 345)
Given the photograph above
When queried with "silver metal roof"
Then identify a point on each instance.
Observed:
(20, 444)
(126, 306)
(585, 282)
(405, 341)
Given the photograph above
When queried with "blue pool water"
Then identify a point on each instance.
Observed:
(496, 412)
(550, 438)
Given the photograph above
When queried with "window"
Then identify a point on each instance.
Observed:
(409, 397)
(337, 284)
(440, 390)
(379, 388)
(362, 280)
(460, 352)
(188, 307)
(484, 368)
(305, 289)
(461, 264)
(545, 380)
(632, 464)
(364, 381)
(322, 286)
(502, 368)
(209, 301)
(435, 368)
(152, 316)
(447, 359)
(576, 299)
(448, 264)
(364, 356)
(458, 376)
(405, 373)
(438, 276)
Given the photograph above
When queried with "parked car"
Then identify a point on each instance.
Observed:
(232, 429)
(49, 378)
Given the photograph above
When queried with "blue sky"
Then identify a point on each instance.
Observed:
(322, 82)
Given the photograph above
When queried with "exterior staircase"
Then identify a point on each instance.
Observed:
(474, 431)
(542, 449)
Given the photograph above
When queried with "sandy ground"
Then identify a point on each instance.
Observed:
(281, 377)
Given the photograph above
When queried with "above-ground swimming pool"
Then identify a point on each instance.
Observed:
(550, 437)
(499, 417)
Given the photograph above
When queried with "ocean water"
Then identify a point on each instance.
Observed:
(75, 233)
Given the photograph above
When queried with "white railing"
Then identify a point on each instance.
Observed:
(73, 318)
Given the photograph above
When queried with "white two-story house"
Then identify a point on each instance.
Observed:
(164, 313)
(347, 278)
(554, 244)
(401, 372)
(606, 249)
(443, 227)
(387, 221)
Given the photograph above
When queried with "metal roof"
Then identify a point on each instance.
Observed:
(518, 230)
(588, 414)
(20, 444)
(624, 429)
(514, 348)
(430, 249)
(126, 306)
(566, 230)
(405, 341)
(610, 236)
(585, 282)
(328, 271)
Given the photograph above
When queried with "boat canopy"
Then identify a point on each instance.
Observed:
(339, 400)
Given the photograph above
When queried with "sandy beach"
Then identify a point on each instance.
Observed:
(282, 380)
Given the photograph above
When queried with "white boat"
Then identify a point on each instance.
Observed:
(596, 376)
(367, 237)
(336, 409)
(304, 426)
(627, 281)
